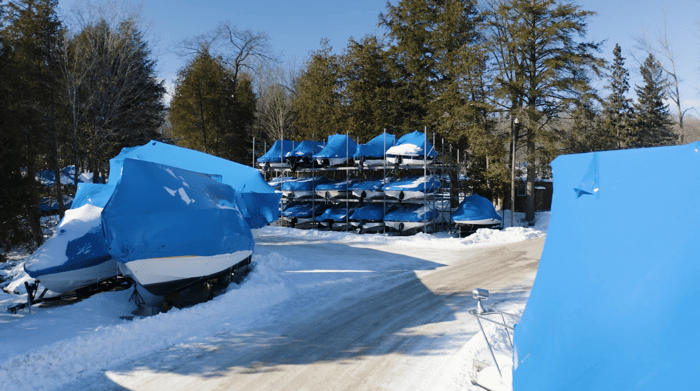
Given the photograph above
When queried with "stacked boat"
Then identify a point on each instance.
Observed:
(476, 212)
(161, 225)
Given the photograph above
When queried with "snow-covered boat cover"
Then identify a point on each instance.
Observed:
(306, 149)
(78, 243)
(277, 182)
(427, 184)
(371, 212)
(338, 146)
(258, 201)
(413, 144)
(614, 304)
(475, 208)
(304, 184)
(161, 211)
(277, 152)
(335, 213)
(376, 147)
(412, 213)
(303, 209)
(337, 185)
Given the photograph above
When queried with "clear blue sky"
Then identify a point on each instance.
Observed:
(297, 27)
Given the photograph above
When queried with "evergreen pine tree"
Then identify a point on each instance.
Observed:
(207, 114)
(652, 121)
(617, 108)
(540, 70)
(317, 102)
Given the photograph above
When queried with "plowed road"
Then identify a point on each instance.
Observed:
(405, 336)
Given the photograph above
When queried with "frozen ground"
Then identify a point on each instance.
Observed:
(306, 289)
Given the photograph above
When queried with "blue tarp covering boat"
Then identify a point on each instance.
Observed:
(412, 148)
(337, 151)
(275, 156)
(476, 211)
(168, 227)
(372, 153)
(277, 182)
(336, 217)
(410, 217)
(335, 189)
(302, 155)
(303, 187)
(412, 188)
(76, 255)
(300, 213)
(370, 217)
(370, 189)
(257, 200)
(614, 303)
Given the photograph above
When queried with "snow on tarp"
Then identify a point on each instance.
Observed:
(376, 147)
(306, 149)
(613, 303)
(96, 194)
(413, 144)
(475, 208)
(77, 244)
(260, 203)
(338, 146)
(162, 211)
(277, 152)
(426, 184)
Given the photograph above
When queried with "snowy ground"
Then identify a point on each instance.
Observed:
(61, 347)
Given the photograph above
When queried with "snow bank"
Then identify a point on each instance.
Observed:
(47, 367)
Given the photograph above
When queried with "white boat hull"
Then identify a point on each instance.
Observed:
(71, 280)
(478, 222)
(368, 194)
(368, 226)
(408, 160)
(274, 165)
(331, 194)
(164, 275)
(402, 226)
(332, 161)
(298, 193)
(406, 195)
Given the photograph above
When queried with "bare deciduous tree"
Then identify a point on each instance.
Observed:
(662, 49)
(275, 113)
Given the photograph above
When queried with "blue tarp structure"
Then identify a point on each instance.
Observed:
(258, 201)
(477, 209)
(371, 212)
(306, 149)
(424, 184)
(303, 210)
(419, 140)
(614, 304)
(336, 213)
(277, 152)
(93, 193)
(304, 184)
(337, 185)
(162, 211)
(376, 147)
(412, 213)
(338, 146)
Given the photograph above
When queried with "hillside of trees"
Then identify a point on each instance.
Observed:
(498, 80)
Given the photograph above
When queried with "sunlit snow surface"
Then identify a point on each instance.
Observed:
(56, 345)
